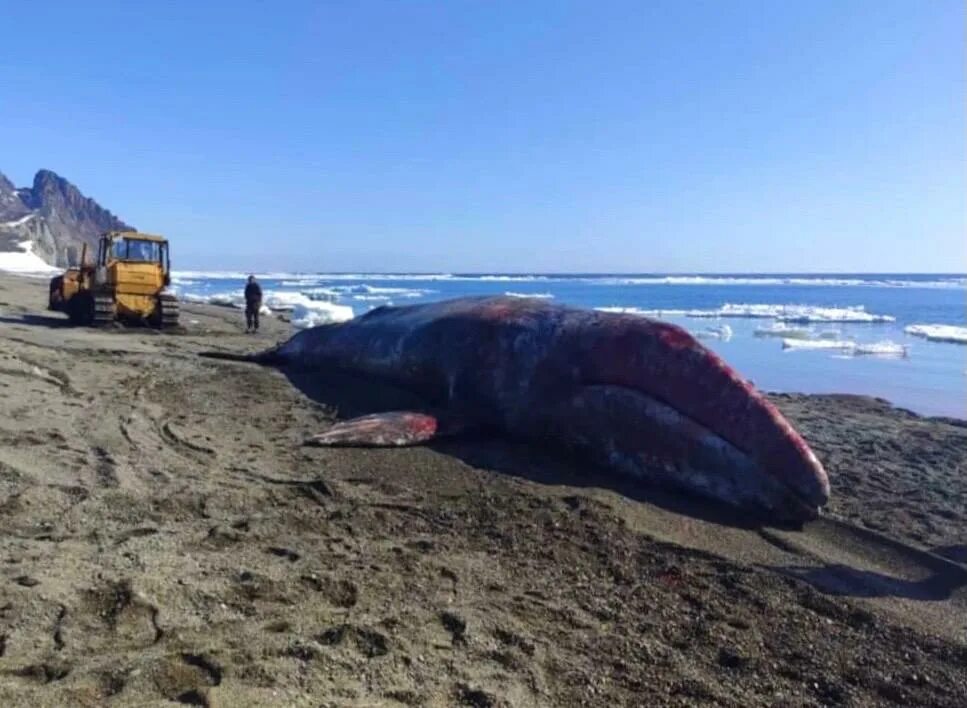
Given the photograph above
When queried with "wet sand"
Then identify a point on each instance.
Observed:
(167, 540)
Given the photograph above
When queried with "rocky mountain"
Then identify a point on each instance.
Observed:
(54, 216)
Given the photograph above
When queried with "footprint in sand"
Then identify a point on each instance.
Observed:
(187, 678)
(367, 642)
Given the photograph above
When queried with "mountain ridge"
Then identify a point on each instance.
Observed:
(53, 216)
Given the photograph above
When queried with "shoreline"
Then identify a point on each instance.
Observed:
(844, 339)
(166, 537)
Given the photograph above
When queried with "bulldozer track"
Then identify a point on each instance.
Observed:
(104, 310)
(169, 310)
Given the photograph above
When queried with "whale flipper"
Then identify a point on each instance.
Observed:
(390, 429)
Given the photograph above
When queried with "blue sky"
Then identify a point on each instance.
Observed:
(509, 136)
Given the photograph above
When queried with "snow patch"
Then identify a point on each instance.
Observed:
(26, 262)
(18, 222)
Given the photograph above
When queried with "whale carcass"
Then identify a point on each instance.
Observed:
(637, 395)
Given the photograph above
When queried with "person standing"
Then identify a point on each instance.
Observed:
(253, 303)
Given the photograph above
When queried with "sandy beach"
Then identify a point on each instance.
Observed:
(166, 539)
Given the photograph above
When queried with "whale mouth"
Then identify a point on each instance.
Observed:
(687, 398)
(645, 437)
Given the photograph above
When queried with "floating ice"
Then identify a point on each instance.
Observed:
(541, 296)
(370, 292)
(299, 282)
(939, 333)
(323, 294)
(313, 313)
(781, 329)
(645, 313)
(783, 313)
(796, 313)
(282, 301)
(723, 332)
(947, 283)
(817, 344)
(885, 348)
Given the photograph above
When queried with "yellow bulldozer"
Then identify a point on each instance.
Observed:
(128, 281)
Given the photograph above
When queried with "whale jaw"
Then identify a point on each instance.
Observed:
(642, 437)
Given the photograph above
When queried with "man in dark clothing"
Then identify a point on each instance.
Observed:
(253, 303)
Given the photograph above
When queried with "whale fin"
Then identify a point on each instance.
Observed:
(267, 357)
(391, 429)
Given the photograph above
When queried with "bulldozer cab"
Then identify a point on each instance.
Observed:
(132, 258)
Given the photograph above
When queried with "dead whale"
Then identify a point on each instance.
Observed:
(637, 395)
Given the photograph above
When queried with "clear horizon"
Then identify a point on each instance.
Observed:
(617, 138)
(455, 271)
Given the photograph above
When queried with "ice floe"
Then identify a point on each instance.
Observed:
(803, 314)
(541, 296)
(371, 293)
(885, 348)
(795, 313)
(781, 329)
(939, 282)
(312, 313)
(938, 333)
(722, 332)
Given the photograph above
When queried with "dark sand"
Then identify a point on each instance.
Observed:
(166, 539)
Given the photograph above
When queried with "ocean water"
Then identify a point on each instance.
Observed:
(794, 342)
